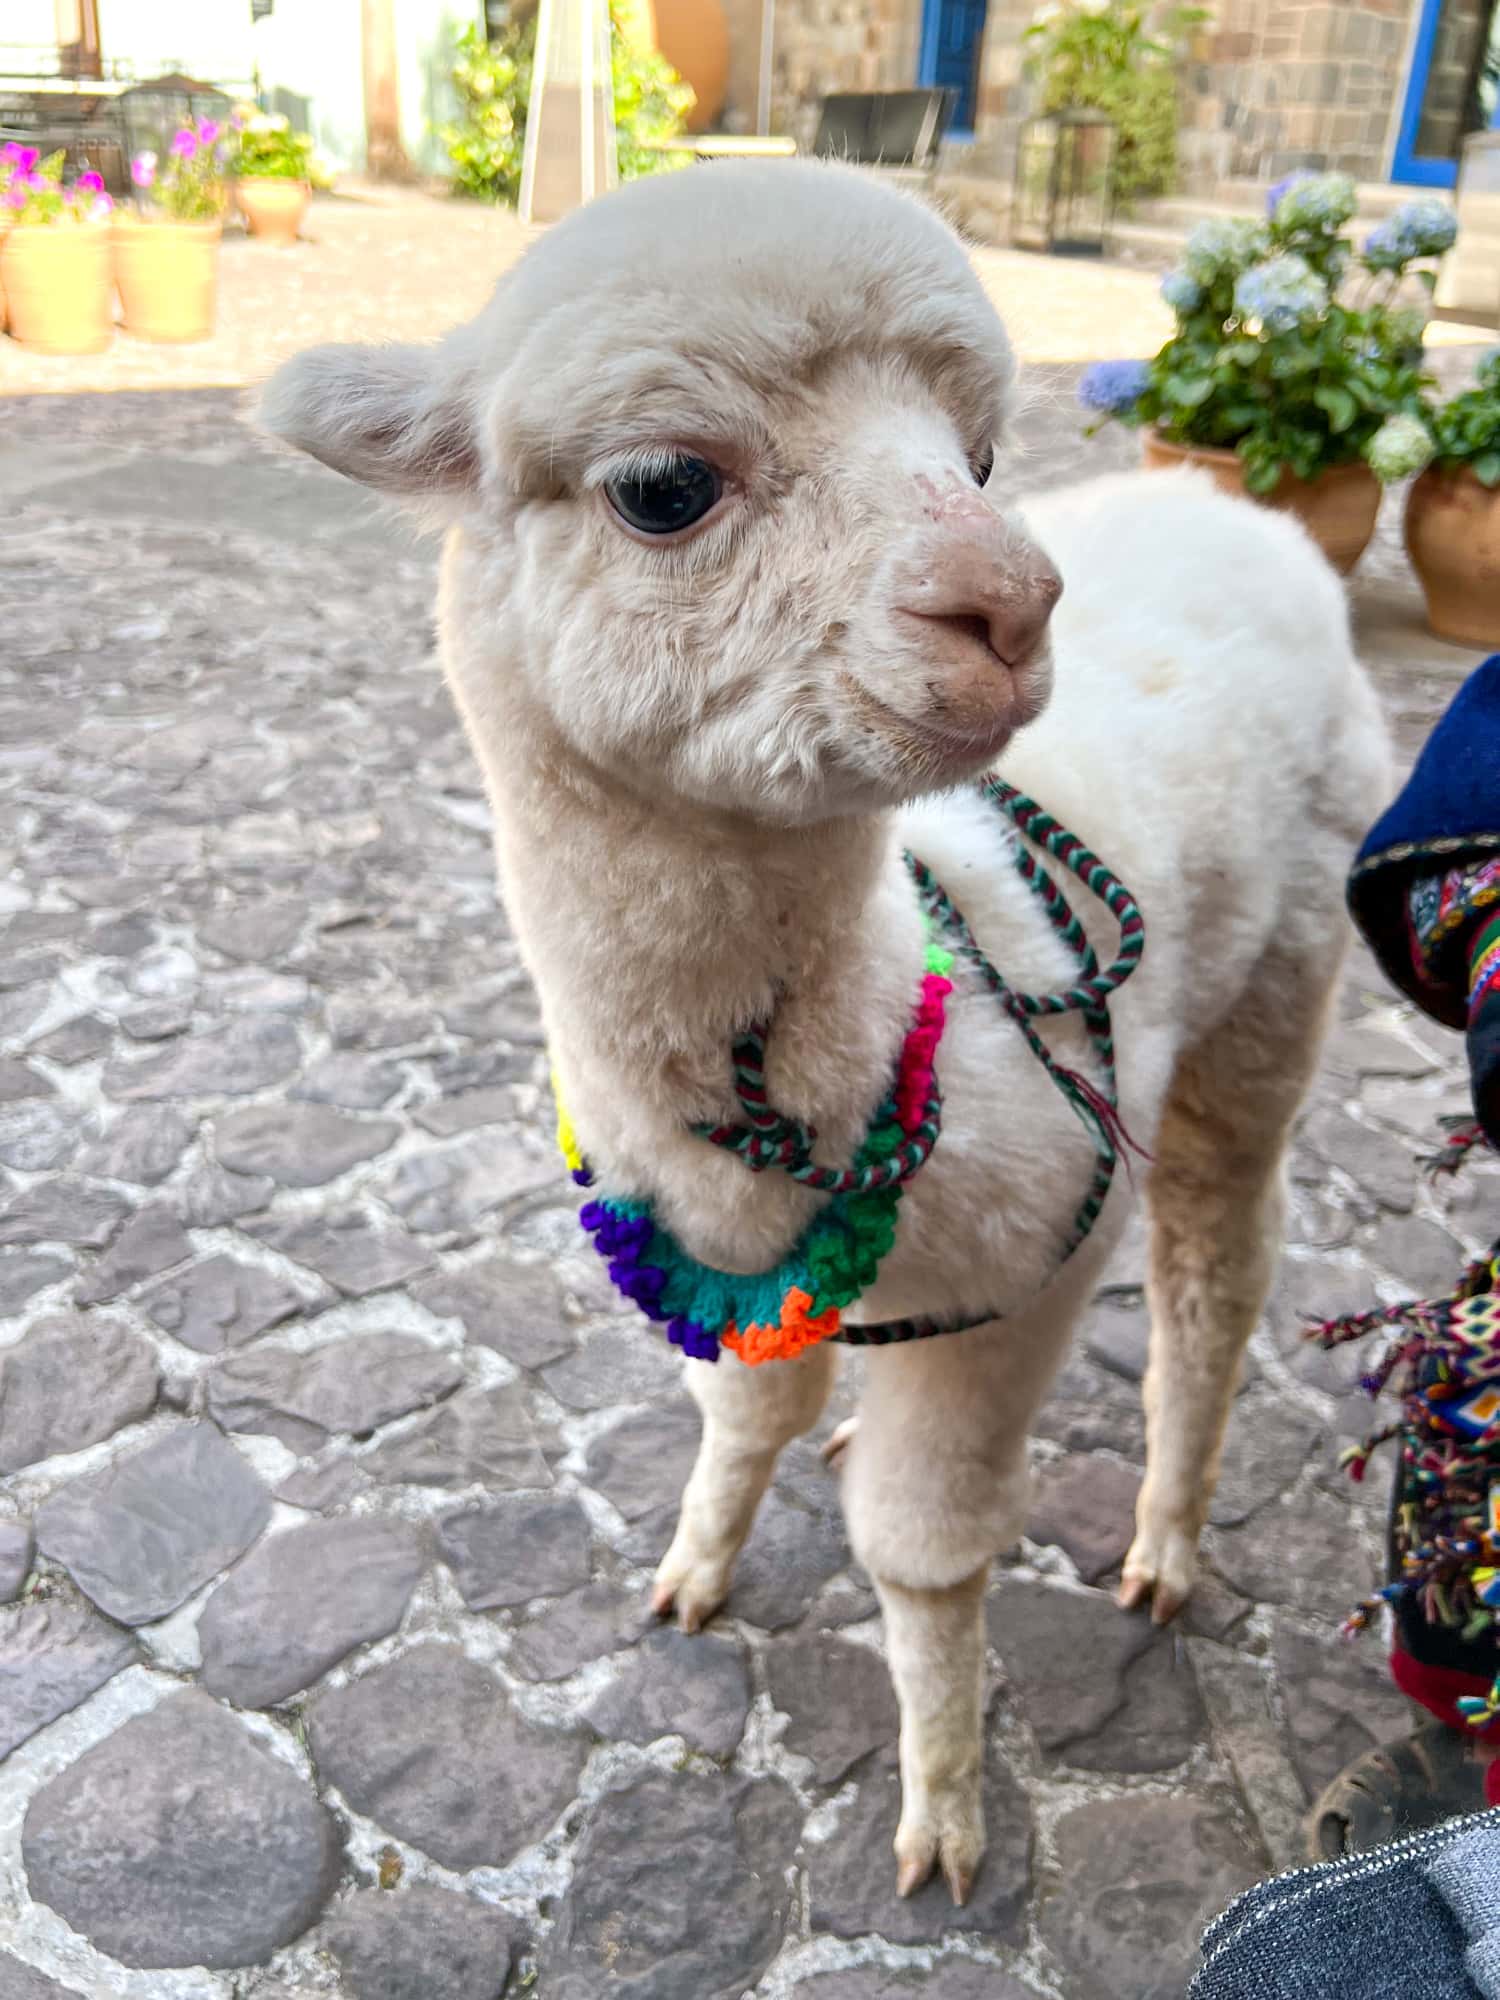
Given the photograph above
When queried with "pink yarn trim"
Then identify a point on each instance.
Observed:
(914, 1083)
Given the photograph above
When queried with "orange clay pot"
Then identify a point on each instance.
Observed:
(1453, 539)
(1338, 508)
(273, 209)
(168, 275)
(57, 285)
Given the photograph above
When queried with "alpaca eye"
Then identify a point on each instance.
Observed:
(982, 464)
(665, 501)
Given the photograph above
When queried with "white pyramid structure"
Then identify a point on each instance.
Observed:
(570, 123)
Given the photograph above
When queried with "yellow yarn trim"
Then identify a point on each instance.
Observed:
(567, 1142)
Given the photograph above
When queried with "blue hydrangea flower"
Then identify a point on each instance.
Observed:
(1114, 387)
(1182, 291)
(1222, 248)
(1278, 188)
(1402, 446)
(1422, 228)
(1280, 293)
(1315, 202)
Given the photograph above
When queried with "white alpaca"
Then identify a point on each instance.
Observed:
(705, 749)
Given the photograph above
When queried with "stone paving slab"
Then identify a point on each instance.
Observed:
(306, 1382)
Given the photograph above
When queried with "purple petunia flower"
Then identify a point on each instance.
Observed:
(16, 194)
(208, 131)
(1113, 387)
(184, 144)
(20, 159)
(90, 183)
(143, 169)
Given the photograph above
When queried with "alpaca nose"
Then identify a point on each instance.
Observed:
(1004, 603)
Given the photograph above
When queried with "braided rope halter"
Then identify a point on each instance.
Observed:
(648, 1267)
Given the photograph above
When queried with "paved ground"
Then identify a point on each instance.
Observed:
(332, 1483)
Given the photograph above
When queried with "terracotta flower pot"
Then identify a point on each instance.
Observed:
(168, 274)
(273, 209)
(58, 290)
(1338, 508)
(1453, 539)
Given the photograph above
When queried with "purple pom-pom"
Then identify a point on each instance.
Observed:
(696, 1342)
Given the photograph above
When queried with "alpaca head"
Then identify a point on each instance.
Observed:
(718, 452)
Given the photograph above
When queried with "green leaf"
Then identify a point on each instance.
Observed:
(1487, 468)
(1339, 405)
(1188, 392)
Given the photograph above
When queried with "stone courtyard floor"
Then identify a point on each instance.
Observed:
(331, 1484)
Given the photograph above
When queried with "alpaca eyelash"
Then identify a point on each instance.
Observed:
(649, 462)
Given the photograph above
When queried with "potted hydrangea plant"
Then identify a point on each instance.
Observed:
(1296, 370)
(275, 171)
(54, 255)
(167, 255)
(1453, 513)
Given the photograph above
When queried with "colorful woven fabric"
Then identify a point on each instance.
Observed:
(1444, 1364)
(778, 1314)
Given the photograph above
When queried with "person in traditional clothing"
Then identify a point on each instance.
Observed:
(1419, 1919)
(1425, 892)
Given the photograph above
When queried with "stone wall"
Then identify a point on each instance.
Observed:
(1270, 85)
(1279, 84)
(828, 45)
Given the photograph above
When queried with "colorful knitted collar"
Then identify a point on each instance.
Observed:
(776, 1314)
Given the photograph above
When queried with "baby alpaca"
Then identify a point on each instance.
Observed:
(735, 613)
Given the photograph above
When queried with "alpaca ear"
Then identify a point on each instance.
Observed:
(396, 418)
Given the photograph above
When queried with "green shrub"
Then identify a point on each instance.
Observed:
(1100, 57)
(493, 83)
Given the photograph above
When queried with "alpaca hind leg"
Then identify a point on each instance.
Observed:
(749, 1414)
(1216, 1199)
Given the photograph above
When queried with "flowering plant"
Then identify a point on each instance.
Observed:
(189, 185)
(266, 148)
(32, 191)
(1290, 348)
(1466, 429)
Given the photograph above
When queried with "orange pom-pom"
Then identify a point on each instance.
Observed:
(797, 1329)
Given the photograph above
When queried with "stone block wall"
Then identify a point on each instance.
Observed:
(1279, 84)
(827, 45)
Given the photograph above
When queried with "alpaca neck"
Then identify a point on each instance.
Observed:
(655, 932)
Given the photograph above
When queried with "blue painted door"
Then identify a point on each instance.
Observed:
(952, 31)
(1450, 91)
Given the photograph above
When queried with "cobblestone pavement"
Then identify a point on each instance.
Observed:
(331, 1481)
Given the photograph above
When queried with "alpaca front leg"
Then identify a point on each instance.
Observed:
(935, 1639)
(749, 1414)
(934, 1485)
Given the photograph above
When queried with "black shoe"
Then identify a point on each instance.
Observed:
(1396, 1790)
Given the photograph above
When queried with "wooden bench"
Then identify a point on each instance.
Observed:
(897, 132)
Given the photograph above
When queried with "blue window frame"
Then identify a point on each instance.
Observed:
(1416, 162)
(952, 36)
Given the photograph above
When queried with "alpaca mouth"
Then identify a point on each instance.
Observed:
(933, 746)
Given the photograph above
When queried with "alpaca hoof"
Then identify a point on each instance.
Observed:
(839, 1442)
(691, 1584)
(1159, 1572)
(954, 1843)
